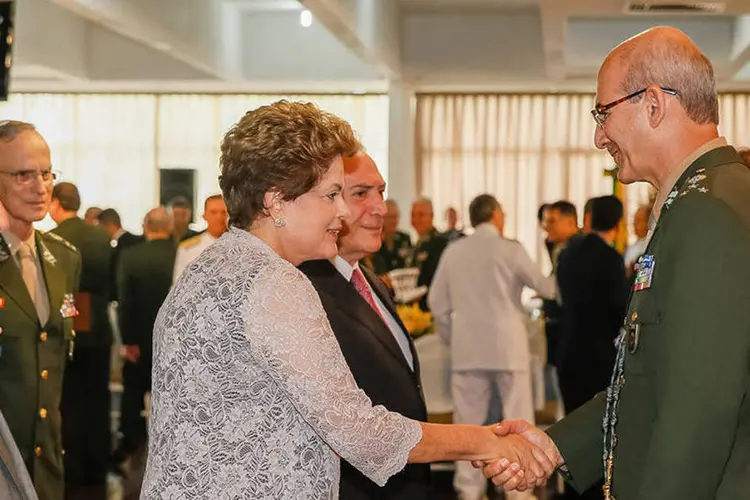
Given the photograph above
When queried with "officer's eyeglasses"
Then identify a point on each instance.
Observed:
(601, 111)
(25, 177)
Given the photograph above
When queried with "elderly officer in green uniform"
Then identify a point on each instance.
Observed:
(430, 245)
(396, 248)
(675, 420)
(39, 274)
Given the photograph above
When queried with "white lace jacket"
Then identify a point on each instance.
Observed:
(251, 396)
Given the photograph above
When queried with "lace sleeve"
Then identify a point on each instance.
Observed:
(291, 334)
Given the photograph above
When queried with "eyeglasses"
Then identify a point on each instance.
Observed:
(601, 112)
(24, 177)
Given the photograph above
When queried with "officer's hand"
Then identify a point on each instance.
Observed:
(4, 218)
(131, 353)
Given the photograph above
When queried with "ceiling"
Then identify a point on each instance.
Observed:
(351, 46)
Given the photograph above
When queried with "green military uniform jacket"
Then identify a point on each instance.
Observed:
(393, 256)
(426, 256)
(683, 416)
(96, 254)
(33, 358)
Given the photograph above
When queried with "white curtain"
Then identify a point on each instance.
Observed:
(526, 150)
(113, 145)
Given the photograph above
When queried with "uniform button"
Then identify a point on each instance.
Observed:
(38, 451)
(62, 452)
(43, 336)
(45, 374)
(42, 413)
(1, 329)
(634, 316)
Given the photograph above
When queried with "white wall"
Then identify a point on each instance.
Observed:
(277, 46)
(449, 47)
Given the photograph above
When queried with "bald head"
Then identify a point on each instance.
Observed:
(667, 57)
(157, 223)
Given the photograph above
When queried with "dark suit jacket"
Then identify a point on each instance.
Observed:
(144, 280)
(380, 369)
(427, 255)
(591, 277)
(126, 240)
(96, 262)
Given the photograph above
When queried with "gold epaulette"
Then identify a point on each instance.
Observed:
(191, 242)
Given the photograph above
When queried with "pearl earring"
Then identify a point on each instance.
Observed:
(279, 221)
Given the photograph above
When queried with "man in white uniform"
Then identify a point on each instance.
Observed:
(475, 299)
(216, 216)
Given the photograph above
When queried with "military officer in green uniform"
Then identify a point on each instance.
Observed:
(396, 249)
(86, 397)
(430, 245)
(39, 275)
(675, 420)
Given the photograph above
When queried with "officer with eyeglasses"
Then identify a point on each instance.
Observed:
(39, 274)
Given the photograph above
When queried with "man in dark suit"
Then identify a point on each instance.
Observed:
(375, 343)
(86, 398)
(120, 239)
(39, 274)
(561, 223)
(591, 277)
(144, 279)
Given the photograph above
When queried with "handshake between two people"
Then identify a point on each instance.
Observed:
(529, 457)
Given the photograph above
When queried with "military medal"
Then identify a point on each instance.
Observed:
(645, 273)
(2, 302)
(68, 309)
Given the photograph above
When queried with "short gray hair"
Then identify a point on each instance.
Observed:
(481, 209)
(677, 66)
(10, 129)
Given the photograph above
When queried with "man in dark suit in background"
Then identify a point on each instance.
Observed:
(374, 342)
(120, 239)
(86, 399)
(591, 277)
(144, 278)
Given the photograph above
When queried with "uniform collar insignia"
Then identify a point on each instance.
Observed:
(46, 254)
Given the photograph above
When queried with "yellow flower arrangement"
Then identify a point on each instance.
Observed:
(416, 321)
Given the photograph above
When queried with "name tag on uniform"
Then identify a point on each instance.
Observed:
(644, 272)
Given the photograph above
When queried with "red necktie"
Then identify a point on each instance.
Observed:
(360, 284)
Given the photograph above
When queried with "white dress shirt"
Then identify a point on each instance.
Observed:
(346, 270)
(475, 299)
(189, 250)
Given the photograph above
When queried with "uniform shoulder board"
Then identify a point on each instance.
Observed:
(697, 183)
(61, 240)
(191, 242)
